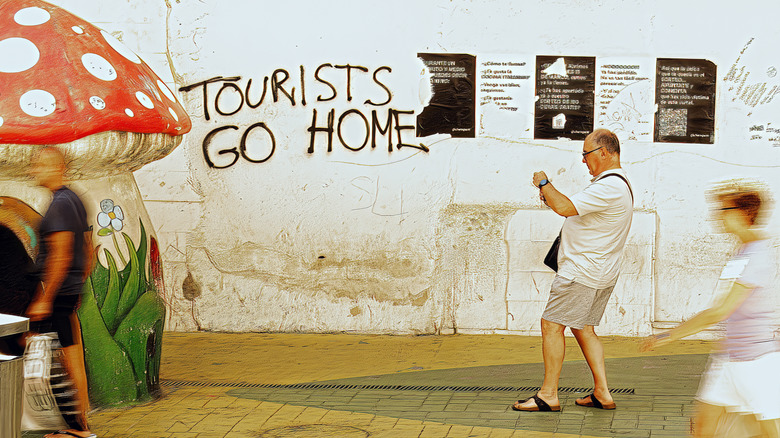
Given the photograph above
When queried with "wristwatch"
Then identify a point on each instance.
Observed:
(543, 183)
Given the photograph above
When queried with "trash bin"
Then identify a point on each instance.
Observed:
(11, 380)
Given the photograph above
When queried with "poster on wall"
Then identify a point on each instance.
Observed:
(505, 90)
(565, 88)
(685, 95)
(624, 97)
(452, 106)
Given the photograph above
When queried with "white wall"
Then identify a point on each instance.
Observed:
(420, 242)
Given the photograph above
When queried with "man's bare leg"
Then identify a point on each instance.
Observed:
(73, 361)
(591, 347)
(553, 352)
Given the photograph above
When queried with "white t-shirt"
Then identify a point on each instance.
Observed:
(749, 330)
(592, 241)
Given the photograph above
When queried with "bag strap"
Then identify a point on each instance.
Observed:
(605, 176)
(624, 180)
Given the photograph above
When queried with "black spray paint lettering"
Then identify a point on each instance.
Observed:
(230, 98)
(241, 152)
(393, 123)
(279, 88)
(348, 68)
(277, 80)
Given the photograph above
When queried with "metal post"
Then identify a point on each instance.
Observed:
(11, 379)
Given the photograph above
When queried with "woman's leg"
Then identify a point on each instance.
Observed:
(705, 422)
(770, 428)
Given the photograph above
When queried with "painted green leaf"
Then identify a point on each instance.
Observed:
(132, 289)
(140, 331)
(104, 232)
(113, 294)
(109, 369)
(99, 285)
(154, 354)
(124, 273)
(142, 251)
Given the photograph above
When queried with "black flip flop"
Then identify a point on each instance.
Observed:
(541, 405)
(595, 403)
(69, 433)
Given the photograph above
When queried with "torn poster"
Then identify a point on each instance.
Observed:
(506, 90)
(451, 109)
(565, 88)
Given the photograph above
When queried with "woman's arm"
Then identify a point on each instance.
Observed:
(717, 313)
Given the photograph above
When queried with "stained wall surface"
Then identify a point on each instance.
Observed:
(265, 227)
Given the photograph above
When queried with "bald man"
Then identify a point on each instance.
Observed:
(64, 261)
(592, 239)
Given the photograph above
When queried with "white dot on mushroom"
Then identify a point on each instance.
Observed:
(97, 103)
(129, 112)
(120, 48)
(17, 55)
(31, 16)
(98, 67)
(144, 99)
(1, 121)
(166, 91)
(173, 113)
(38, 103)
(77, 29)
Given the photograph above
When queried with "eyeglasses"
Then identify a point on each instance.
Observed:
(594, 150)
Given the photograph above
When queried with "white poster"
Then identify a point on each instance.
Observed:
(624, 97)
(505, 91)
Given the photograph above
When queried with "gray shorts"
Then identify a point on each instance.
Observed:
(575, 305)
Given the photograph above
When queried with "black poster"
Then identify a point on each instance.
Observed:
(452, 106)
(565, 91)
(685, 95)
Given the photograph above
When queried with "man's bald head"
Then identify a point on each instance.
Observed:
(48, 167)
(52, 155)
(606, 139)
(601, 151)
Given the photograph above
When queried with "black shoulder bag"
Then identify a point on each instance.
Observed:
(551, 259)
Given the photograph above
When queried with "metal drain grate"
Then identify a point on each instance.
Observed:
(425, 388)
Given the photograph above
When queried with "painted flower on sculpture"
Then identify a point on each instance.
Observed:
(110, 216)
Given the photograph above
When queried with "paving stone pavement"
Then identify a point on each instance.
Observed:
(348, 385)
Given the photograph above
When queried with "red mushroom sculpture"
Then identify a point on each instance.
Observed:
(64, 81)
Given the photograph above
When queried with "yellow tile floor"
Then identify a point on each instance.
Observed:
(262, 359)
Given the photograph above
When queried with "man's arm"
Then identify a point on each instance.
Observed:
(554, 199)
(58, 261)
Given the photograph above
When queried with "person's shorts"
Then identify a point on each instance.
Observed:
(575, 305)
(748, 387)
(60, 319)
